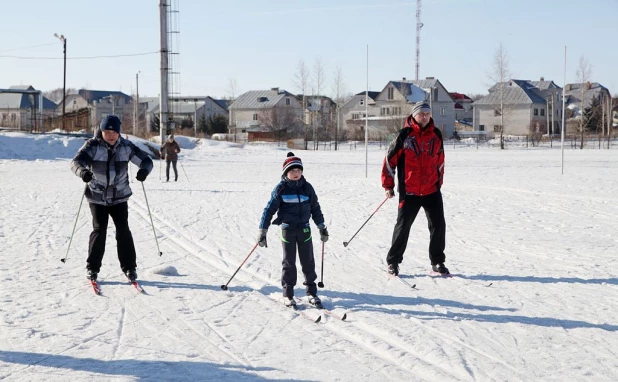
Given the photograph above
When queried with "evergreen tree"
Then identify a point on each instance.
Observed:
(216, 124)
(592, 115)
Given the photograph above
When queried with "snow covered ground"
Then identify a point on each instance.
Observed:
(534, 297)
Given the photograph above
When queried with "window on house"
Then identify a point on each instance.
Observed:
(255, 118)
(497, 128)
(481, 127)
(355, 116)
(536, 111)
(391, 93)
(442, 111)
(362, 102)
(287, 101)
(542, 112)
(497, 113)
(435, 94)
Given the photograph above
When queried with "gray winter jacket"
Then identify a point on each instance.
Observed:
(109, 165)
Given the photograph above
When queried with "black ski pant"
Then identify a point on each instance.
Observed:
(292, 238)
(408, 209)
(167, 170)
(124, 239)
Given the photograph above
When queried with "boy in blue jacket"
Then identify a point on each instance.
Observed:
(295, 201)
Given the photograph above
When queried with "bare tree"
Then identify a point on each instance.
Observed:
(301, 81)
(338, 89)
(55, 95)
(583, 75)
(500, 74)
(318, 77)
(280, 120)
(231, 91)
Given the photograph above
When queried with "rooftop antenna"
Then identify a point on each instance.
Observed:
(419, 25)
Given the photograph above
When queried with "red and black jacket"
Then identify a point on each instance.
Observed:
(417, 157)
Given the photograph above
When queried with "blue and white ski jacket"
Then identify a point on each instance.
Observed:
(294, 202)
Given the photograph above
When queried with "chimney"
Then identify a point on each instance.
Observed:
(429, 78)
(275, 90)
(567, 87)
(588, 85)
(404, 79)
(542, 78)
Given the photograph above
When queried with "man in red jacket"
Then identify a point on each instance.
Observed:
(416, 157)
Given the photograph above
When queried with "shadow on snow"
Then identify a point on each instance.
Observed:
(141, 369)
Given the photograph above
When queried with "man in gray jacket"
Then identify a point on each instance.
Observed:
(102, 163)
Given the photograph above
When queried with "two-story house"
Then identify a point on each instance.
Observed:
(97, 104)
(518, 103)
(394, 104)
(319, 117)
(265, 111)
(553, 104)
(352, 115)
(576, 93)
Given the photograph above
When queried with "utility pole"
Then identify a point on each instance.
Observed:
(163, 110)
(136, 108)
(64, 77)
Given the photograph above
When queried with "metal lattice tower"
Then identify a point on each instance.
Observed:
(419, 25)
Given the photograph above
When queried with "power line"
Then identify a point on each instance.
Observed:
(80, 58)
(27, 47)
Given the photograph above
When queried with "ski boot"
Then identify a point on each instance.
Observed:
(315, 301)
(131, 274)
(440, 268)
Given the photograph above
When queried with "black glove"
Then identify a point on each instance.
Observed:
(141, 175)
(86, 176)
(262, 238)
(389, 193)
(323, 233)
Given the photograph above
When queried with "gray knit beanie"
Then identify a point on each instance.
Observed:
(420, 106)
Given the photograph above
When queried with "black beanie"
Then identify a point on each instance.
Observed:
(111, 122)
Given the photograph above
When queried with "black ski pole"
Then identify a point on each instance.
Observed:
(224, 287)
(345, 243)
(149, 214)
(74, 225)
(321, 283)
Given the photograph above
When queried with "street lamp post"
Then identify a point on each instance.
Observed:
(64, 78)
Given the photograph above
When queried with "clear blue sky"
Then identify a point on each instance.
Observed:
(259, 43)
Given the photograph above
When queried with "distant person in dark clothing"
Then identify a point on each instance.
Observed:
(102, 163)
(416, 158)
(170, 149)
